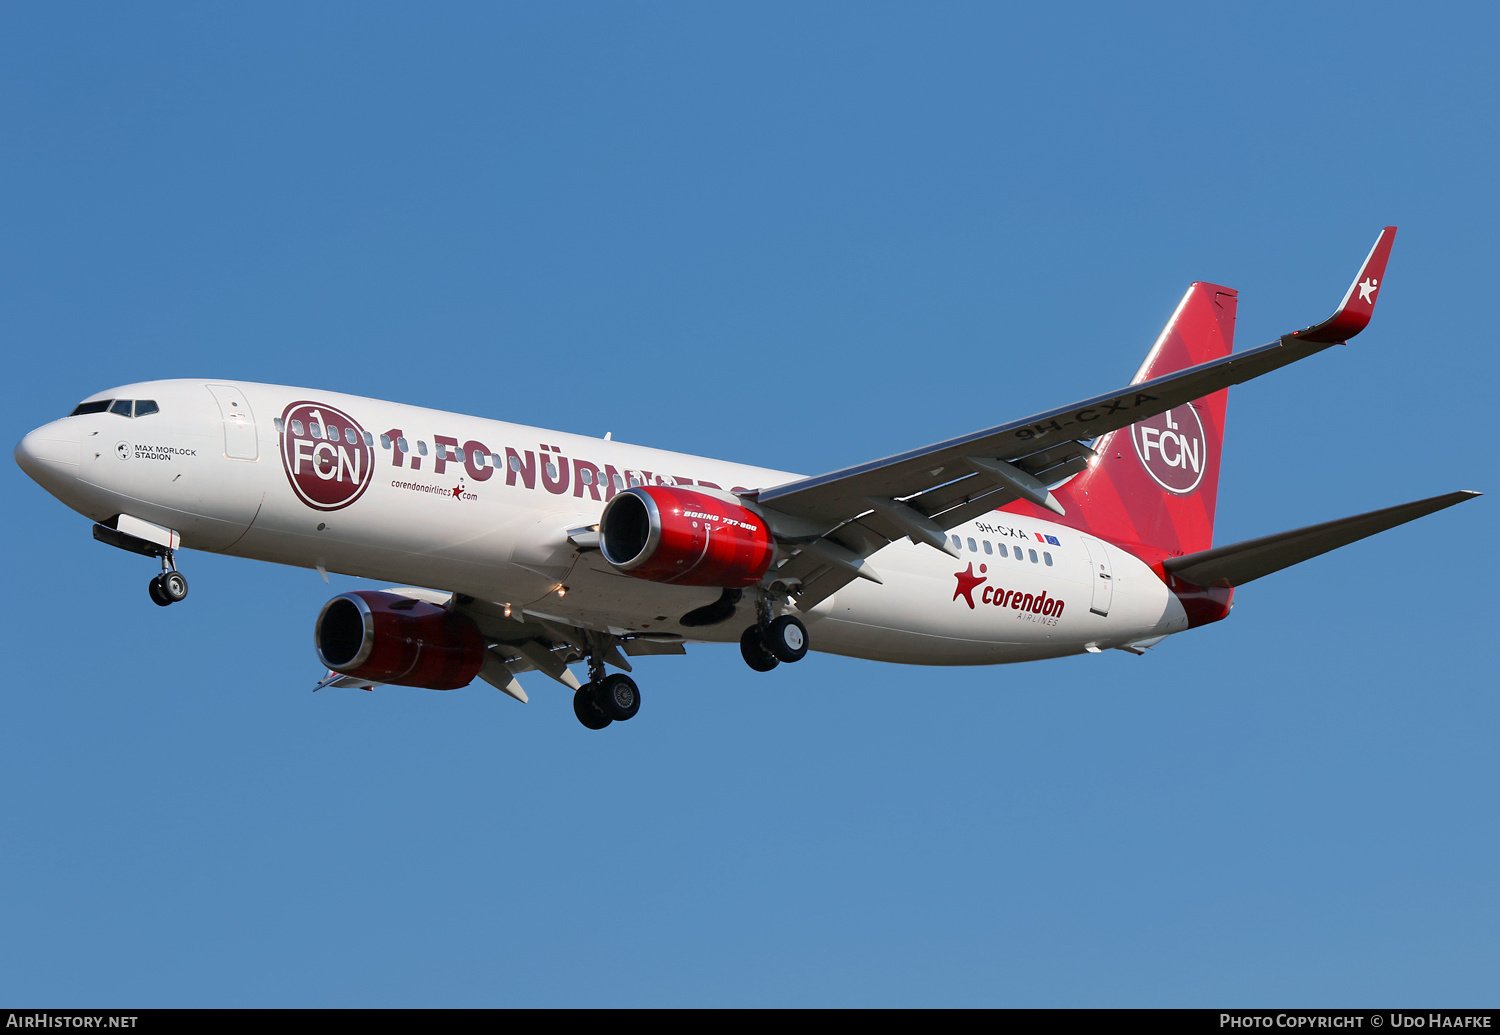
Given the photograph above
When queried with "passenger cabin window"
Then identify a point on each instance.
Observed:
(1033, 555)
(515, 463)
(421, 447)
(459, 455)
(987, 548)
(1048, 558)
(401, 444)
(280, 425)
(97, 406)
(1003, 551)
(973, 547)
(496, 462)
(315, 429)
(123, 407)
(958, 543)
(586, 476)
(385, 442)
(350, 437)
(369, 440)
(296, 427)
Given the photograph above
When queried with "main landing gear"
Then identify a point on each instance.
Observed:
(605, 698)
(768, 644)
(169, 587)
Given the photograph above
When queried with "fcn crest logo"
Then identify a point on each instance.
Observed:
(1173, 448)
(326, 455)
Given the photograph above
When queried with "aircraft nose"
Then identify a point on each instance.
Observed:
(49, 454)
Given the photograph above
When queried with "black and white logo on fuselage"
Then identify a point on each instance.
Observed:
(1173, 448)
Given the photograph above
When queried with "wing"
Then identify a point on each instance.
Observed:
(836, 520)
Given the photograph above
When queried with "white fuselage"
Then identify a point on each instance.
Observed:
(213, 465)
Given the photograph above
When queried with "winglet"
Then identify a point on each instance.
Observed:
(1353, 313)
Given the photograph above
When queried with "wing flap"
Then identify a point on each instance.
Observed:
(821, 587)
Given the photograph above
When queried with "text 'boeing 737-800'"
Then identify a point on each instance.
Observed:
(518, 549)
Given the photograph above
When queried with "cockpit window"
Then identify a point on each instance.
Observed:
(122, 407)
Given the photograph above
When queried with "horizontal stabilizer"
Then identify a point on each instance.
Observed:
(1239, 563)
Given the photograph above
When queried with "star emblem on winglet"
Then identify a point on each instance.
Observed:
(1367, 288)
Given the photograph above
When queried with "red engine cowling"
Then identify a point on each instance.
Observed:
(684, 537)
(387, 638)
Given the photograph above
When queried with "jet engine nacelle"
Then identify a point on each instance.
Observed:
(387, 638)
(687, 538)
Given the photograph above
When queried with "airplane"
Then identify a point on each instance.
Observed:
(515, 549)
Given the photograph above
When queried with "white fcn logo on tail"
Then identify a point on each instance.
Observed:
(1173, 448)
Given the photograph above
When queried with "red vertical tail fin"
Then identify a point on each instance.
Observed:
(1154, 485)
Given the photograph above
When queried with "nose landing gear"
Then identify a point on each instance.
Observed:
(169, 587)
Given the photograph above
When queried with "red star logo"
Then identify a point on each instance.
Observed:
(967, 581)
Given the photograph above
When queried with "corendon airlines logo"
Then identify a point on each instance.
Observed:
(996, 596)
(325, 455)
(1173, 448)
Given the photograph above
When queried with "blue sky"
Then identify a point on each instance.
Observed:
(802, 236)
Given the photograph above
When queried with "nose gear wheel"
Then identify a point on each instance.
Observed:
(170, 587)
